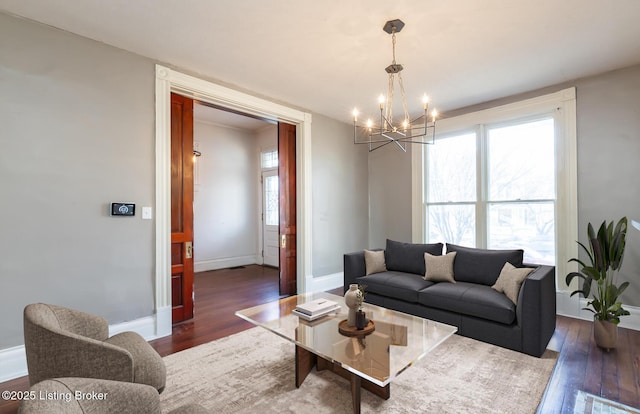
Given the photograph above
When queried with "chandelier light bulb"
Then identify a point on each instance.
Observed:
(434, 113)
(425, 101)
(405, 124)
(369, 123)
(381, 101)
(355, 114)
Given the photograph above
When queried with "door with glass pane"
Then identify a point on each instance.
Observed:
(270, 220)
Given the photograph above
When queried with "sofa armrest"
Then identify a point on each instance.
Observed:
(354, 267)
(536, 309)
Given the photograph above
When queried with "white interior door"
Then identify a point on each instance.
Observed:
(270, 218)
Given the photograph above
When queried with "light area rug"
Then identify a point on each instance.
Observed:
(253, 372)
(592, 404)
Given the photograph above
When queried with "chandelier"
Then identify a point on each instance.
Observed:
(385, 131)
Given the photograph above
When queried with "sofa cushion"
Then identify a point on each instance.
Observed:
(510, 280)
(482, 265)
(469, 299)
(409, 257)
(374, 261)
(439, 268)
(398, 285)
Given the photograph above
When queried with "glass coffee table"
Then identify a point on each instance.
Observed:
(369, 360)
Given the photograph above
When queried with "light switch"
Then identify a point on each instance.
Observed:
(146, 213)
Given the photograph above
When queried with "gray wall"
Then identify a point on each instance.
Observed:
(608, 126)
(77, 132)
(340, 203)
(389, 195)
(608, 109)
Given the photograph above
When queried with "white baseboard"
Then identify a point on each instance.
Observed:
(225, 263)
(13, 361)
(573, 308)
(163, 322)
(327, 282)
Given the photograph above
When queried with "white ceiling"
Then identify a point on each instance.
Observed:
(329, 56)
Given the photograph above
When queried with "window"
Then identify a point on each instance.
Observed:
(521, 189)
(503, 178)
(270, 159)
(451, 190)
(271, 211)
(517, 170)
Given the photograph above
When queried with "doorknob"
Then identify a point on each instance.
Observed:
(283, 241)
(188, 250)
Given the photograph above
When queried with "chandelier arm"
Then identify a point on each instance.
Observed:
(380, 146)
(388, 137)
(372, 142)
(419, 117)
(402, 147)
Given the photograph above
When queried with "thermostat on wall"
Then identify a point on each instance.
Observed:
(123, 209)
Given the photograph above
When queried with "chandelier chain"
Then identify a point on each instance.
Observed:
(404, 98)
(393, 45)
(389, 105)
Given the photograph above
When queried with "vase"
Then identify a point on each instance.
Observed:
(352, 300)
(605, 334)
(361, 320)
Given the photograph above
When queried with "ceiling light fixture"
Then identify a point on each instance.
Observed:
(407, 131)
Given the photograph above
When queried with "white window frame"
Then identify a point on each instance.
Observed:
(562, 106)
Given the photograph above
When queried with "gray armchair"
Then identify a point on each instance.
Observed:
(62, 342)
(88, 395)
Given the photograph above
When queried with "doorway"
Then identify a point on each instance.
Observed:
(224, 205)
(167, 80)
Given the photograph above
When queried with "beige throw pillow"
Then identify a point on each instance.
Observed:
(510, 280)
(439, 268)
(374, 261)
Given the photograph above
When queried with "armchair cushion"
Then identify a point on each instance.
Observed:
(99, 396)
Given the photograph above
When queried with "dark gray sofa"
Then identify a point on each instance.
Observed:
(470, 304)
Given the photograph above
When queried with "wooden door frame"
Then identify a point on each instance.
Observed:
(169, 80)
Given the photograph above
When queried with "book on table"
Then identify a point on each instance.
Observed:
(316, 308)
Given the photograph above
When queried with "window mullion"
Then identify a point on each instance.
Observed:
(482, 187)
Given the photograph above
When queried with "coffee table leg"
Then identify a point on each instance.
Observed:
(305, 361)
(356, 387)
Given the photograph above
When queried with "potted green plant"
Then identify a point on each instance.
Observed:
(605, 253)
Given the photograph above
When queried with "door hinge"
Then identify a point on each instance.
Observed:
(263, 253)
(283, 241)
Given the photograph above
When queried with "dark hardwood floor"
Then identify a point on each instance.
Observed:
(581, 365)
